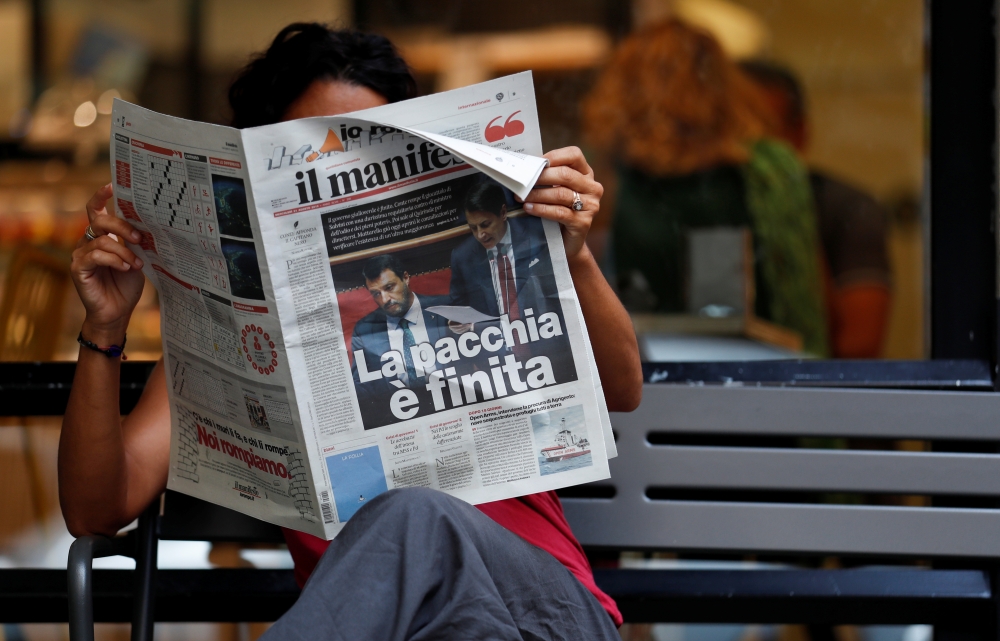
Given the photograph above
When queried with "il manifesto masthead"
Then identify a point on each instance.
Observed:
(422, 159)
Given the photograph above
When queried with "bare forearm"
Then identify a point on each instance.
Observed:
(93, 477)
(109, 468)
(611, 334)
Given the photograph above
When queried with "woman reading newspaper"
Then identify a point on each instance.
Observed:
(412, 563)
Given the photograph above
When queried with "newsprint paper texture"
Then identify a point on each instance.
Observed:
(332, 328)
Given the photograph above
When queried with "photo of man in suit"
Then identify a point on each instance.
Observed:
(400, 322)
(505, 268)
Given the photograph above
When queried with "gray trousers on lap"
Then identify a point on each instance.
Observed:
(418, 564)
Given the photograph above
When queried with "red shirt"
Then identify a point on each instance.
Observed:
(536, 518)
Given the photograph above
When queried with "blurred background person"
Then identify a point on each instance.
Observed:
(694, 140)
(852, 228)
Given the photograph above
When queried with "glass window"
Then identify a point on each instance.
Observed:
(763, 159)
(55, 105)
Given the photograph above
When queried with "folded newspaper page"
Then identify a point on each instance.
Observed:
(357, 303)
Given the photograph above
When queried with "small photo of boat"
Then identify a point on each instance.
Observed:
(567, 445)
(562, 440)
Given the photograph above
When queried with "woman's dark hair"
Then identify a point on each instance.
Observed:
(486, 196)
(305, 52)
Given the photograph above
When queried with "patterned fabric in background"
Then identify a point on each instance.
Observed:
(786, 241)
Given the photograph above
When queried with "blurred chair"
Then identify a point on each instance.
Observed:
(31, 308)
(30, 317)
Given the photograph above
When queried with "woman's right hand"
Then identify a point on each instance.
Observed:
(107, 275)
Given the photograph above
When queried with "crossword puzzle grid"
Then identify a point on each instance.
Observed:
(186, 320)
(171, 200)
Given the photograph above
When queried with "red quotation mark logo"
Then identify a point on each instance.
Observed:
(509, 129)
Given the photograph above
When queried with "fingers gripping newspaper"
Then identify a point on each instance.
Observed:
(357, 303)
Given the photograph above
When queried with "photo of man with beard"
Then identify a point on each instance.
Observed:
(400, 322)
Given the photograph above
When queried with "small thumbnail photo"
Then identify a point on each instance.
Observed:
(256, 413)
(231, 206)
(244, 271)
(356, 478)
(561, 439)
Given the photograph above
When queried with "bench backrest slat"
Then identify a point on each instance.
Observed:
(631, 519)
(861, 413)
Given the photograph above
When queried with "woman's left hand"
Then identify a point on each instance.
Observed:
(568, 172)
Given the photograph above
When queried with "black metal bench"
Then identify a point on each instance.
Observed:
(635, 511)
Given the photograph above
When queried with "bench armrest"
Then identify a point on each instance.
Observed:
(79, 577)
(139, 544)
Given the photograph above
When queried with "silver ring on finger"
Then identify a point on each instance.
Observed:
(89, 234)
(577, 202)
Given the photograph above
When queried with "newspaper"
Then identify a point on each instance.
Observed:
(333, 326)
